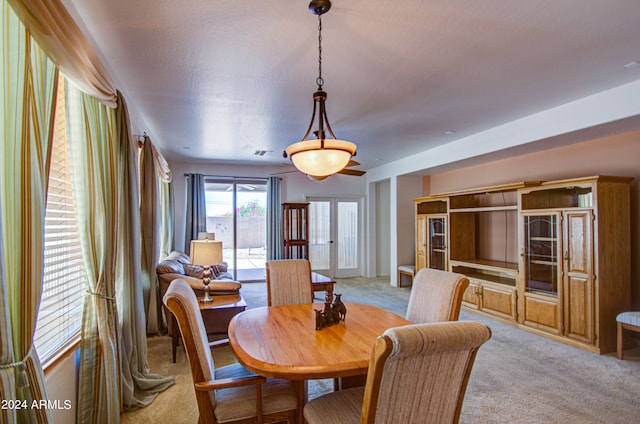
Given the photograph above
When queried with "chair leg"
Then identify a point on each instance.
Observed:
(620, 344)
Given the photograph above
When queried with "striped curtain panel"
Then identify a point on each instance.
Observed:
(139, 386)
(94, 162)
(28, 95)
(154, 179)
(150, 230)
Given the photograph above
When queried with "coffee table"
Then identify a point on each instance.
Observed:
(216, 316)
(321, 283)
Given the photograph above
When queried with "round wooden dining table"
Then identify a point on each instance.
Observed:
(282, 341)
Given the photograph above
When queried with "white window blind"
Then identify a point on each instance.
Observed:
(64, 283)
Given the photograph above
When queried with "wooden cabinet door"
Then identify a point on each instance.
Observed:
(421, 242)
(499, 300)
(542, 271)
(542, 312)
(577, 294)
(471, 296)
(436, 246)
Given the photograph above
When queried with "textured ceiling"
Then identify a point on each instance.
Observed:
(221, 79)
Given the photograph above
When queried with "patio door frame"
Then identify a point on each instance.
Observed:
(333, 271)
(234, 182)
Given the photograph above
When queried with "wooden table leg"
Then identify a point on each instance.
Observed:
(301, 387)
(174, 345)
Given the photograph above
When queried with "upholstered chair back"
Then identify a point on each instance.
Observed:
(419, 373)
(183, 304)
(436, 296)
(288, 282)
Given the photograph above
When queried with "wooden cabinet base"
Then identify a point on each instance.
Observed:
(543, 333)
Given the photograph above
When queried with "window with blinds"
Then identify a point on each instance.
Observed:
(64, 282)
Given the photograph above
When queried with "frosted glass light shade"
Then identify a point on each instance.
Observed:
(312, 159)
(206, 252)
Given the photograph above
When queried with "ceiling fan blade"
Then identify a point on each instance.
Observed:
(355, 172)
(352, 163)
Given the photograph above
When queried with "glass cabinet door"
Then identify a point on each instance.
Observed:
(437, 240)
(541, 253)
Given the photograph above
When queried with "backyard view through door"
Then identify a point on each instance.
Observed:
(236, 213)
(334, 236)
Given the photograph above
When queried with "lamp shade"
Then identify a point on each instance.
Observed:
(313, 158)
(206, 252)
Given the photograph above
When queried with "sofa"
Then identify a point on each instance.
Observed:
(178, 265)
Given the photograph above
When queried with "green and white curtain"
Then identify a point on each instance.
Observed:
(28, 94)
(94, 164)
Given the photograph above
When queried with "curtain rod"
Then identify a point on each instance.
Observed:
(229, 177)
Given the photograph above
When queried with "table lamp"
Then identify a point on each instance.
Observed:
(206, 253)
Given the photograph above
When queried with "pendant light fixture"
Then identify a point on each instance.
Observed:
(323, 156)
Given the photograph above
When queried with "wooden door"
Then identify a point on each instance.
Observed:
(421, 242)
(577, 295)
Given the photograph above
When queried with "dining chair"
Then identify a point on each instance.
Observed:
(436, 296)
(288, 282)
(228, 394)
(418, 374)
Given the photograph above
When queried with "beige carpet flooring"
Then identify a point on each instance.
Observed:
(518, 377)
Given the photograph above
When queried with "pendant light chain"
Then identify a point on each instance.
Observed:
(319, 80)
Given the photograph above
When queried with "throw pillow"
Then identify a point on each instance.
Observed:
(195, 271)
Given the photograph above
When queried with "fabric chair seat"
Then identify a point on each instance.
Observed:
(341, 407)
(240, 402)
(626, 321)
(631, 318)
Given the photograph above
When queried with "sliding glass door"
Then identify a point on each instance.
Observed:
(236, 213)
(335, 236)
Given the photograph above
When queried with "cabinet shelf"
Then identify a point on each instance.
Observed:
(508, 268)
(484, 276)
(540, 262)
(486, 209)
(295, 230)
(543, 239)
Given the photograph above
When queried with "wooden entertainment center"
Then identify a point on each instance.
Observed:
(550, 257)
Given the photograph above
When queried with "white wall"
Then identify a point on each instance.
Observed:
(381, 236)
(62, 387)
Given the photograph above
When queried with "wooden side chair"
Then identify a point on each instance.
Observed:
(417, 374)
(436, 296)
(229, 394)
(288, 282)
(626, 321)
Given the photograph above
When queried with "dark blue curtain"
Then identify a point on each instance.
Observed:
(274, 225)
(196, 217)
